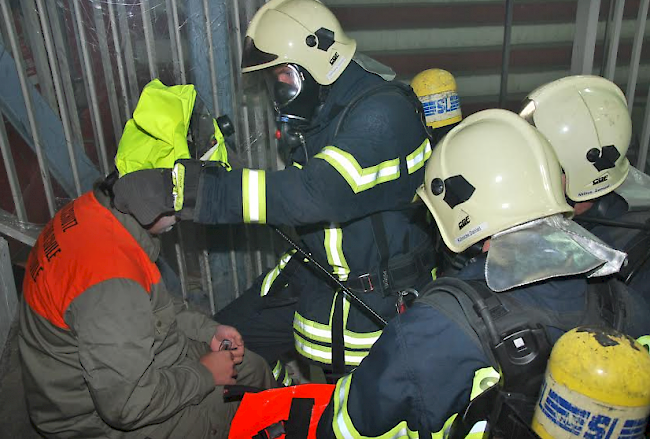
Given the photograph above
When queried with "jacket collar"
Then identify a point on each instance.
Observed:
(149, 243)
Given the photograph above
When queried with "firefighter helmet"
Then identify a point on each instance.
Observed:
(586, 120)
(491, 172)
(302, 32)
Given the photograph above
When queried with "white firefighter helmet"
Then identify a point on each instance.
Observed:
(491, 172)
(587, 122)
(302, 32)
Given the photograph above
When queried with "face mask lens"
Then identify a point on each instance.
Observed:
(285, 84)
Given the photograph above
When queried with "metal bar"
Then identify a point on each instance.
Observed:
(102, 40)
(606, 36)
(58, 89)
(213, 71)
(180, 260)
(24, 232)
(148, 38)
(505, 54)
(172, 40)
(584, 42)
(645, 137)
(179, 43)
(18, 58)
(94, 105)
(12, 175)
(66, 76)
(636, 52)
(8, 295)
(128, 55)
(612, 53)
(206, 275)
(118, 59)
(32, 33)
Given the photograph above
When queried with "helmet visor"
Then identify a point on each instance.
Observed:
(253, 57)
(284, 83)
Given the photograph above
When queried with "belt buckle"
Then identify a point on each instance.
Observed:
(364, 280)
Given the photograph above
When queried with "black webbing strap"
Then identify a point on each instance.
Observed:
(338, 341)
(379, 231)
(297, 426)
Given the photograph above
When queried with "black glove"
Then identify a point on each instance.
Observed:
(150, 193)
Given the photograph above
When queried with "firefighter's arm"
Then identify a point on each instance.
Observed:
(361, 172)
(417, 375)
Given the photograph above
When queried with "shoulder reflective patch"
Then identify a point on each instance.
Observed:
(273, 274)
(254, 196)
(358, 178)
(297, 165)
(343, 425)
(334, 250)
(417, 158)
(483, 380)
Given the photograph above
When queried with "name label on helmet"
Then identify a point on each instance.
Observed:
(471, 232)
(594, 191)
(441, 106)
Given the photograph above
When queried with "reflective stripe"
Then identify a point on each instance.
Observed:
(357, 177)
(273, 274)
(356, 340)
(323, 333)
(334, 249)
(296, 165)
(277, 370)
(287, 381)
(645, 341)
(417, 158)
(483, 380)
(342, 423)
(323, 354)
(254, 196)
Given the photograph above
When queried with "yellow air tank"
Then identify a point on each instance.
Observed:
(597, 386)
(436, 89)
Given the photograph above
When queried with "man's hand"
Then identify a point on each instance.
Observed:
(222, 366)
(225, 332)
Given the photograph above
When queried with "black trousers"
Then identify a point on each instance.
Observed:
(265, 324)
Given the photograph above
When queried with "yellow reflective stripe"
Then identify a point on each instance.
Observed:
(323, 333)
(417, 158)
(273, 274)
(342, 423)
(483, 379)
(277, 369)
(357, 177)
(323, 354)
(254, 196)
(645, 341)
(178, 182)
(297, 165)
(334, 249)
(287, 381)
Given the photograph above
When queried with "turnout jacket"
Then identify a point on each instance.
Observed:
(424, 368)
(368, 172)
(104, 346)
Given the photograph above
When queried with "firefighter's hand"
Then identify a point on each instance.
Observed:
(222, 366)
(236, 345)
